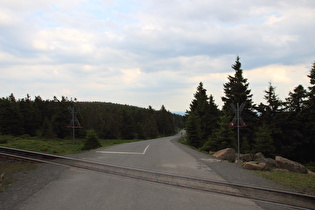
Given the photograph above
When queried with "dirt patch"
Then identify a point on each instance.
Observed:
(27, 183)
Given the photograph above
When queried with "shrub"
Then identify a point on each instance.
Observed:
(91, 141)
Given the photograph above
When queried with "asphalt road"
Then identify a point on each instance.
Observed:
(82, 189)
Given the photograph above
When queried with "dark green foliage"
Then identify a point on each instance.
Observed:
(223, 137)
(50, 118)
(91, 141)
(193, 131)
(263, 141)
(237, 92)
(274, 128)
(202, 118)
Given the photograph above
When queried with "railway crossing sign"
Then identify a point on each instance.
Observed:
(74, 123)
(237, 120)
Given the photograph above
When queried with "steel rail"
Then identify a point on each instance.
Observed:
(278, 197)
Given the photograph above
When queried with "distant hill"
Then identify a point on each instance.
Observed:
(52, 118)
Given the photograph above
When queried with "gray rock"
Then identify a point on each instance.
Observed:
(270, 163)
(259, 155)
(290, 165)
(246, 157)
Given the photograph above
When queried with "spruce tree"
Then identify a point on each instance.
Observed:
(205, 112)
(222, 137)
(237, 91)
(296, 100)
(308, 119)
(264, 141)
(193, 131)
(271, 118)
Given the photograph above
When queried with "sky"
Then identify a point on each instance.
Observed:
(153, 52)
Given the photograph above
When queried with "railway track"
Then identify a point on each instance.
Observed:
(277, 197)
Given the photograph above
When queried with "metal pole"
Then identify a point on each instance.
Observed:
(238, 132)
(73, 134)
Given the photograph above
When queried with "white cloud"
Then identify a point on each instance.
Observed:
(152, 52)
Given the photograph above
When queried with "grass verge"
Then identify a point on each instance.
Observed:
(54, 146)
(304, 183)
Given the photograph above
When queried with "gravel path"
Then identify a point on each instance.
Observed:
(28, 183)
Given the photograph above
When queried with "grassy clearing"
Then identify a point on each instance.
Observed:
(53, 146)
(302, 182)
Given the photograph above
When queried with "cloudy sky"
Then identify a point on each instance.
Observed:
(152, 52)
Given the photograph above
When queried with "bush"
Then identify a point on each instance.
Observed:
(91, 141)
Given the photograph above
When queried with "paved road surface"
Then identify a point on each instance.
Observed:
(81, 189)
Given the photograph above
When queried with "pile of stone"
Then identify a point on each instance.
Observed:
(259, 162)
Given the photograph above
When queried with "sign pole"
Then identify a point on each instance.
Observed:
(238, 132)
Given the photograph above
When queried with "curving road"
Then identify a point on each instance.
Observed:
(81, 189)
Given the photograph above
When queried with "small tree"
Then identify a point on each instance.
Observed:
(264, 141)
(91, 141)
(223, 136)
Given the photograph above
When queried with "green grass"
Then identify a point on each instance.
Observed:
(304, 183)
(54, 146)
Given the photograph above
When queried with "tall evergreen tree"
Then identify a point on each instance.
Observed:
(237, 91)
(297, 99)
(205, 114)
(271, 119)
(308, 118)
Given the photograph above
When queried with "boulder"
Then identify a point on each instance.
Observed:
(246, 157)
(259, 155)
(226, 154)
(290, 165)
(270, 163)
(252, 165)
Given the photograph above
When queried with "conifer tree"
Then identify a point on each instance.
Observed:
(264, 141)
(193, 131)
(205, 114)
(222, 137)
(296, 100)
(237, 91)
(271, 118)
(308, 118)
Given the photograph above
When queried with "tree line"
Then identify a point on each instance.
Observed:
(275, 127)
(52, 118)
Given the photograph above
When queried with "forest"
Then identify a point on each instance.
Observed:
(51, 119)
(276, 127)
